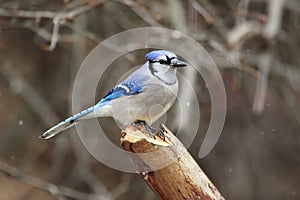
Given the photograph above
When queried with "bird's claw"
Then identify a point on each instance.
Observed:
(152, 132)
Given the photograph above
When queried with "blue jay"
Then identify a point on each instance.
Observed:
(129, 102)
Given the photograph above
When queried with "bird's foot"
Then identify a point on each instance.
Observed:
(153, 132)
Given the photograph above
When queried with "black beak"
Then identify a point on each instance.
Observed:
(177, 63)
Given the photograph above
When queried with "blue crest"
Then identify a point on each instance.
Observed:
(154, 54)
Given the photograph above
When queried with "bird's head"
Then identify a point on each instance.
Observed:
(163, 64)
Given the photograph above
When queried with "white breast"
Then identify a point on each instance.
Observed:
(149, 105)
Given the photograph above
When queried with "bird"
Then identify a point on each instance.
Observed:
(130, 101)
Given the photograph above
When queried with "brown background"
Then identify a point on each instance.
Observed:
(255, 44)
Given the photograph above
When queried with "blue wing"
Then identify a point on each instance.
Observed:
(132, 85)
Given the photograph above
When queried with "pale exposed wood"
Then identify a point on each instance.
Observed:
(182, 179)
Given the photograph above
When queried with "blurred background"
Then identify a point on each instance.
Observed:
(255, 44)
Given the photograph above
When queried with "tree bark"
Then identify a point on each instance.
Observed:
(166, 166)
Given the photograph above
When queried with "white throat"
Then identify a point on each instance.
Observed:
(163, 73)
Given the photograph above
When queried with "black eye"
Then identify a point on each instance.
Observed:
(162, 62)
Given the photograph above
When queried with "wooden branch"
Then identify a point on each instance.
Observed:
(181, 179)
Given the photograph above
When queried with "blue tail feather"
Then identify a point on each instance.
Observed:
(67, 123)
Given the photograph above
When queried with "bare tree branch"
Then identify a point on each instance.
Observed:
(264, 65)
(207, 17)
(67, 15)
(254, 15)
(274, 18)
(57, 191)
(141, 11)
(218, 25)
(19, 85)
(58, 18)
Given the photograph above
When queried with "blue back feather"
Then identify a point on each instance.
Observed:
(133, 84)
